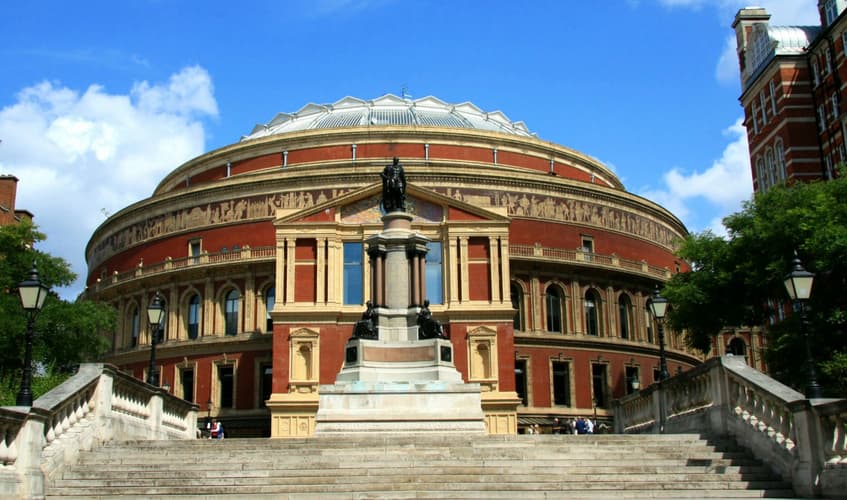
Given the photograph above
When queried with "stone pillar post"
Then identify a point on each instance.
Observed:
(290, 263)
(493, 270)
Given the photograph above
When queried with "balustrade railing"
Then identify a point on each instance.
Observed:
(267, 253)
(142, 270)
(804, 440)
(96, 405)
(581, 257)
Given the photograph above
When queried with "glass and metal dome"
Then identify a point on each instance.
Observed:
(389, 110)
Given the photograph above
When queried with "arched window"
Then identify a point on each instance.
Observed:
(780, 160)
(553, 301)
(194, 317)
(770, 168)
(737, 347)
(270, 300)
(231, 312)
(134, 327)
(760, 174)
(592, 313)
(625, 315)
(516, 293)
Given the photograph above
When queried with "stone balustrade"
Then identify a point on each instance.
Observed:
(579, 256)
(96, 405)
(803, 440)
(267, 254)
(145, 270)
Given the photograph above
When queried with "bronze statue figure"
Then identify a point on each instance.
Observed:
(393, 187)
(366, 327)
(429, 327)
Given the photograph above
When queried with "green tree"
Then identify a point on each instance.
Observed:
(738, 280)
(67, 333)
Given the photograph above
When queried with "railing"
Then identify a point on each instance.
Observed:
(268, 253)
(96, 405)
(804, 440)
(142, 270)
(579, 256)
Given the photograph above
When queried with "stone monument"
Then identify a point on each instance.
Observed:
(398, 373)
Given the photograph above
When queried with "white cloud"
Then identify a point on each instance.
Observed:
(723, 185)
(78, 154)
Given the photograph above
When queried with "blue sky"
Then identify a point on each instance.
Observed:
(100, 99)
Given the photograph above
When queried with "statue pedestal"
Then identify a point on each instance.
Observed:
(401, 407)
(402, 386)
(396, 382)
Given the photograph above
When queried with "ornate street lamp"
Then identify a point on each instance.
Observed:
(798, 284)
(659, 306)
(32, 292)
(155, 316)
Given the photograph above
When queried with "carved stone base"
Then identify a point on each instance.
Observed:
(293, 415)
(399, 407)
(418, 361)
(501, 412)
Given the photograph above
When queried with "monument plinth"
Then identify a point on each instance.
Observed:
(398, 373)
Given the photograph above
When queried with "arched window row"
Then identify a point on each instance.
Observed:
(592, 314)
(194, 317)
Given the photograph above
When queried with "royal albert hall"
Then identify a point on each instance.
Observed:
(539, 264)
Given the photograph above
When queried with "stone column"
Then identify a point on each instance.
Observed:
(172, 331)
(143, 324)
(290, 263)
(208, 307)
(333, 261)
(250, 302)
(422, 272)
(504, 268)
(577, 307)
(416, 278)
(536, 302)
(493, 268)
(463, 257)
(453, 270)
(321, 271)
(279, 272)
(611, 313)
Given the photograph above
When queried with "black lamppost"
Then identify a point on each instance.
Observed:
(659, 306)
(155, 315)
(32, 292)
(798, 283)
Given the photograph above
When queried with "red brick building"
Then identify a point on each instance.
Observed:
(792, 94)
(8, 194)
(540, 264)
(792, 80)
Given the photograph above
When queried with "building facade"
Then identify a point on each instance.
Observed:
(8, 194)
(792, 94)
(540, 265)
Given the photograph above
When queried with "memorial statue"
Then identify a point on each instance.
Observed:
(393, 187)
(429, 327)
(366, 327)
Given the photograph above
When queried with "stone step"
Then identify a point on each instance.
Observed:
(715, 489)
(203, 471)
(359, 467)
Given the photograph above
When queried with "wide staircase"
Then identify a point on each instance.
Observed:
(420, 466)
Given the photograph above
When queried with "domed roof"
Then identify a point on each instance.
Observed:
(389, 110)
